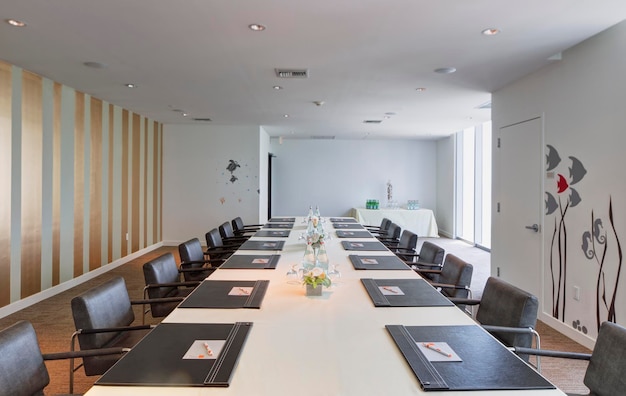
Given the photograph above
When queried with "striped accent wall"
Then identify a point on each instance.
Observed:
(80, 183)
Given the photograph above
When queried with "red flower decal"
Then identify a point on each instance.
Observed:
(562, 184)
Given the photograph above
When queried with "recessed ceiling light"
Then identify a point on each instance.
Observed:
(95, 65)
(130, 85)
(445, 70)
(286, 115)
(15, 22)
(277, 87)
(490, 32)
(256, 27)
(420, 89)
(184, 114)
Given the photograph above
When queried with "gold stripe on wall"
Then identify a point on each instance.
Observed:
(110, 181)
(95, 186)
(136, 182)
(160, 182)
(31, 194)
(145, 182)
(79, 180)
(5, 183)
(56, 185)
(155, 183)
(125, 195)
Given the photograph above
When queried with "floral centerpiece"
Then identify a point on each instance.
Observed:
(314, 280)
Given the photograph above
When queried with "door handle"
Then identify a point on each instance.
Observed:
(533, 227)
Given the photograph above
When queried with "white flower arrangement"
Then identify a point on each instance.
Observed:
(316, 277)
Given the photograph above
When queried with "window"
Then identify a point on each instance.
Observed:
(473, 185)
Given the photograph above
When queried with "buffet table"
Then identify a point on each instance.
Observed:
(335, 344)
(420, 221)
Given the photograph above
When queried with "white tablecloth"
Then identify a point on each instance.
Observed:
(420, 221)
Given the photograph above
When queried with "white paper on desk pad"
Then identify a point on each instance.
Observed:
(369, 261)
(260, 261)
(270, 244)
(240, 291)
(199, 351)
(434, 356)
(391, 290)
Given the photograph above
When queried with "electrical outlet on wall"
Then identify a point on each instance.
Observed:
(577, 293)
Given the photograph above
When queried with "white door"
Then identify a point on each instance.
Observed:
(521, 204)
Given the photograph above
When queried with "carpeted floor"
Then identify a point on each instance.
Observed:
(53, 323)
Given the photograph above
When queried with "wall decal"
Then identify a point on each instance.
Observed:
(566, 198)
(595, 245)
(578, 326)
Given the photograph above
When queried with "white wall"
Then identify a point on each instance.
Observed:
(581, 99)
(338, 175)
(198, 193)
(445, 186)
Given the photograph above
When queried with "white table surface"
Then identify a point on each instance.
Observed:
(336, 344)
(420, 221)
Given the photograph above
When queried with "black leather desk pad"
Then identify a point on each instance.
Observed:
(364, 246)
(245, 261)
(353, 234)
(282, 220)
(283, 226)
(262, 245)
(342, 220)
(417, 293)
(348, 226)
(383, 262)
(486, 363)
(272, 233)
(214, 294)
(157, 359)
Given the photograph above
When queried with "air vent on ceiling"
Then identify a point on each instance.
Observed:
(292, 73)
(372, 121)
(323, 137)
(486, 105)
(202, 119)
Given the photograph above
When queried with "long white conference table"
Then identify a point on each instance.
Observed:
(336, 344)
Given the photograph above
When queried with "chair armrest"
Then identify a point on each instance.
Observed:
(464, 301)
(197, 269)
(172, 284)
(209, 261)
(550, 353)
(425, 264)
(427, 271)
(85, 353)
(449, 286)
(113, 329)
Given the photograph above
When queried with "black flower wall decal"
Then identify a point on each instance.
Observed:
(563, 199)
(595, 246)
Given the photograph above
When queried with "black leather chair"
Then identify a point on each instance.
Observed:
(193, 258)
(454, 278)
(163, 285)
(381, 229)
(429, 257)
(216, 248)
(508, 313)
(392, 235)
(228, 234)
(22, 368)
(103, 317)
(607, 362)
(240, 228)
(405, 247)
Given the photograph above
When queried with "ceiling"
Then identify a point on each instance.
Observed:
(365, 58)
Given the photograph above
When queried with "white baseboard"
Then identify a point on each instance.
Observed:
(568, 331)
(446, 234)
(54, 290)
